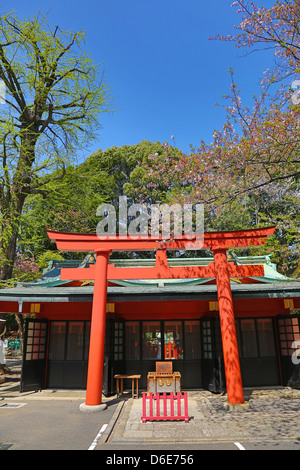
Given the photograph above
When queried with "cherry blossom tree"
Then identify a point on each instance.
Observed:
(257, 152)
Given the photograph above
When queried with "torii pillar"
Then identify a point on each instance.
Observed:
(233, 375)
(97, 336)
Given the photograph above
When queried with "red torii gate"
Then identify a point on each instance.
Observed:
(102, 271)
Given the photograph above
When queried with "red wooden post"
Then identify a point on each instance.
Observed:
(97, 335)
(151, 405)
(165, 404)
(172, 404)
(157, 405)
(144, 408)
(178, 404)
(230, 347)
(186, 408)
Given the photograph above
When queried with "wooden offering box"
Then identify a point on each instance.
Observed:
(163, 379)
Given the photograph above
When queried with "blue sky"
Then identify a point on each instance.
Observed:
(165, 74)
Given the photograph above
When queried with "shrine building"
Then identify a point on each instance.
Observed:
(225, 322)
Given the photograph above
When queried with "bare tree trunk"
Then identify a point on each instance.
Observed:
(19, 320)
(9, 251)
(8, 248)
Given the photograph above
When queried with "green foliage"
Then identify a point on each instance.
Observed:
(44, 258)
(54, 95)
(70, 204)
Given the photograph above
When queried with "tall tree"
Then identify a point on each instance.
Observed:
(71, 204)
(53, 97)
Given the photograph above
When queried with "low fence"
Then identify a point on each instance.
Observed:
(13, 347)
(163, 407)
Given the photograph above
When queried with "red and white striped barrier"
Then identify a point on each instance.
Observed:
(163, 407)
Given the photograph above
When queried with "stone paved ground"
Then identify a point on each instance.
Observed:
(267, 418)
(273, 414)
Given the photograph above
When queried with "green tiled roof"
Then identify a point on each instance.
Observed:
(270, 270)
(51, 288)
(51, 275)
(148, 293)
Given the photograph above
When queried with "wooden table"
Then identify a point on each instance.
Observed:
(133, 377)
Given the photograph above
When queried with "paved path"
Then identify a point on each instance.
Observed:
(48, 420)
(273, 415)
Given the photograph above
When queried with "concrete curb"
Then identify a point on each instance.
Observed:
(105, 436)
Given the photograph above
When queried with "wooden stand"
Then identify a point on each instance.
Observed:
(135, 394)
